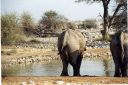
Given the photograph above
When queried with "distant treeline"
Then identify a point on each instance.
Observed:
(16, 28)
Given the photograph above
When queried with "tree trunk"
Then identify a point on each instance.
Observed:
(105, 17)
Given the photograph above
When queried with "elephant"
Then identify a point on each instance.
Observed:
(71, 46)
(119, 50)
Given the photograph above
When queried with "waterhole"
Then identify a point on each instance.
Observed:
(54, 68)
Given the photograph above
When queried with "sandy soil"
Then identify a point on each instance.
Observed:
(62, 80)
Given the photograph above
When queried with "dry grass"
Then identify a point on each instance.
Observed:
(98, 50)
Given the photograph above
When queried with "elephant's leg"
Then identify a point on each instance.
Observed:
(76, 63)
(65, 66)
(73, 62)
(117, 65)
(117, 70)
(116, 55)
(125, 61)
(124, 67)
(75, 70)
(79, 63)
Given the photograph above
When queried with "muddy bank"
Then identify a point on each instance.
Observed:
(46, 51)
(12, 56)
(62, 80)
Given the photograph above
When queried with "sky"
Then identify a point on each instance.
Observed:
(68, 8)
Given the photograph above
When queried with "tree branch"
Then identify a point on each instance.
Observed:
(100, 15)
(115, 13)
(108, 2)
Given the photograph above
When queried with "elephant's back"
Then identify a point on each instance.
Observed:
(75, 40)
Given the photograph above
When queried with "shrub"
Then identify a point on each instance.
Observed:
(27, 23)
(50, 22)
(10, 30)
(87, 24)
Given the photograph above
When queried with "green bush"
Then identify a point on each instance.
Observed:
(10, 30)
(87, 24)
(50, 22)
(27, 23)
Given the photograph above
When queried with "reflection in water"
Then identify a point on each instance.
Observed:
(54, 68)
(109, 69)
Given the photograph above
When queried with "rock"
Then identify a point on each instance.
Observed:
(59, 82)
(31, 82)
(23, 83)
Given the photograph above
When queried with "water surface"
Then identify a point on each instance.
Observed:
(54, 68)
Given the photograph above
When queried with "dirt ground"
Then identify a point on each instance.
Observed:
(63, 80)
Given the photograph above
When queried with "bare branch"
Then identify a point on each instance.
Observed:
(115, 13)
(108, 1)
(100, 15)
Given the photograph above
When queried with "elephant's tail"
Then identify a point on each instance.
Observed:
(64, 40)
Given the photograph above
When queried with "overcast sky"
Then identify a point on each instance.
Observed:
(68, 8)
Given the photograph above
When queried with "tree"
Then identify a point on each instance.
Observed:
(119, 19)
(10, 30)
(106, 19)
(27, 23)
(51, 21)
